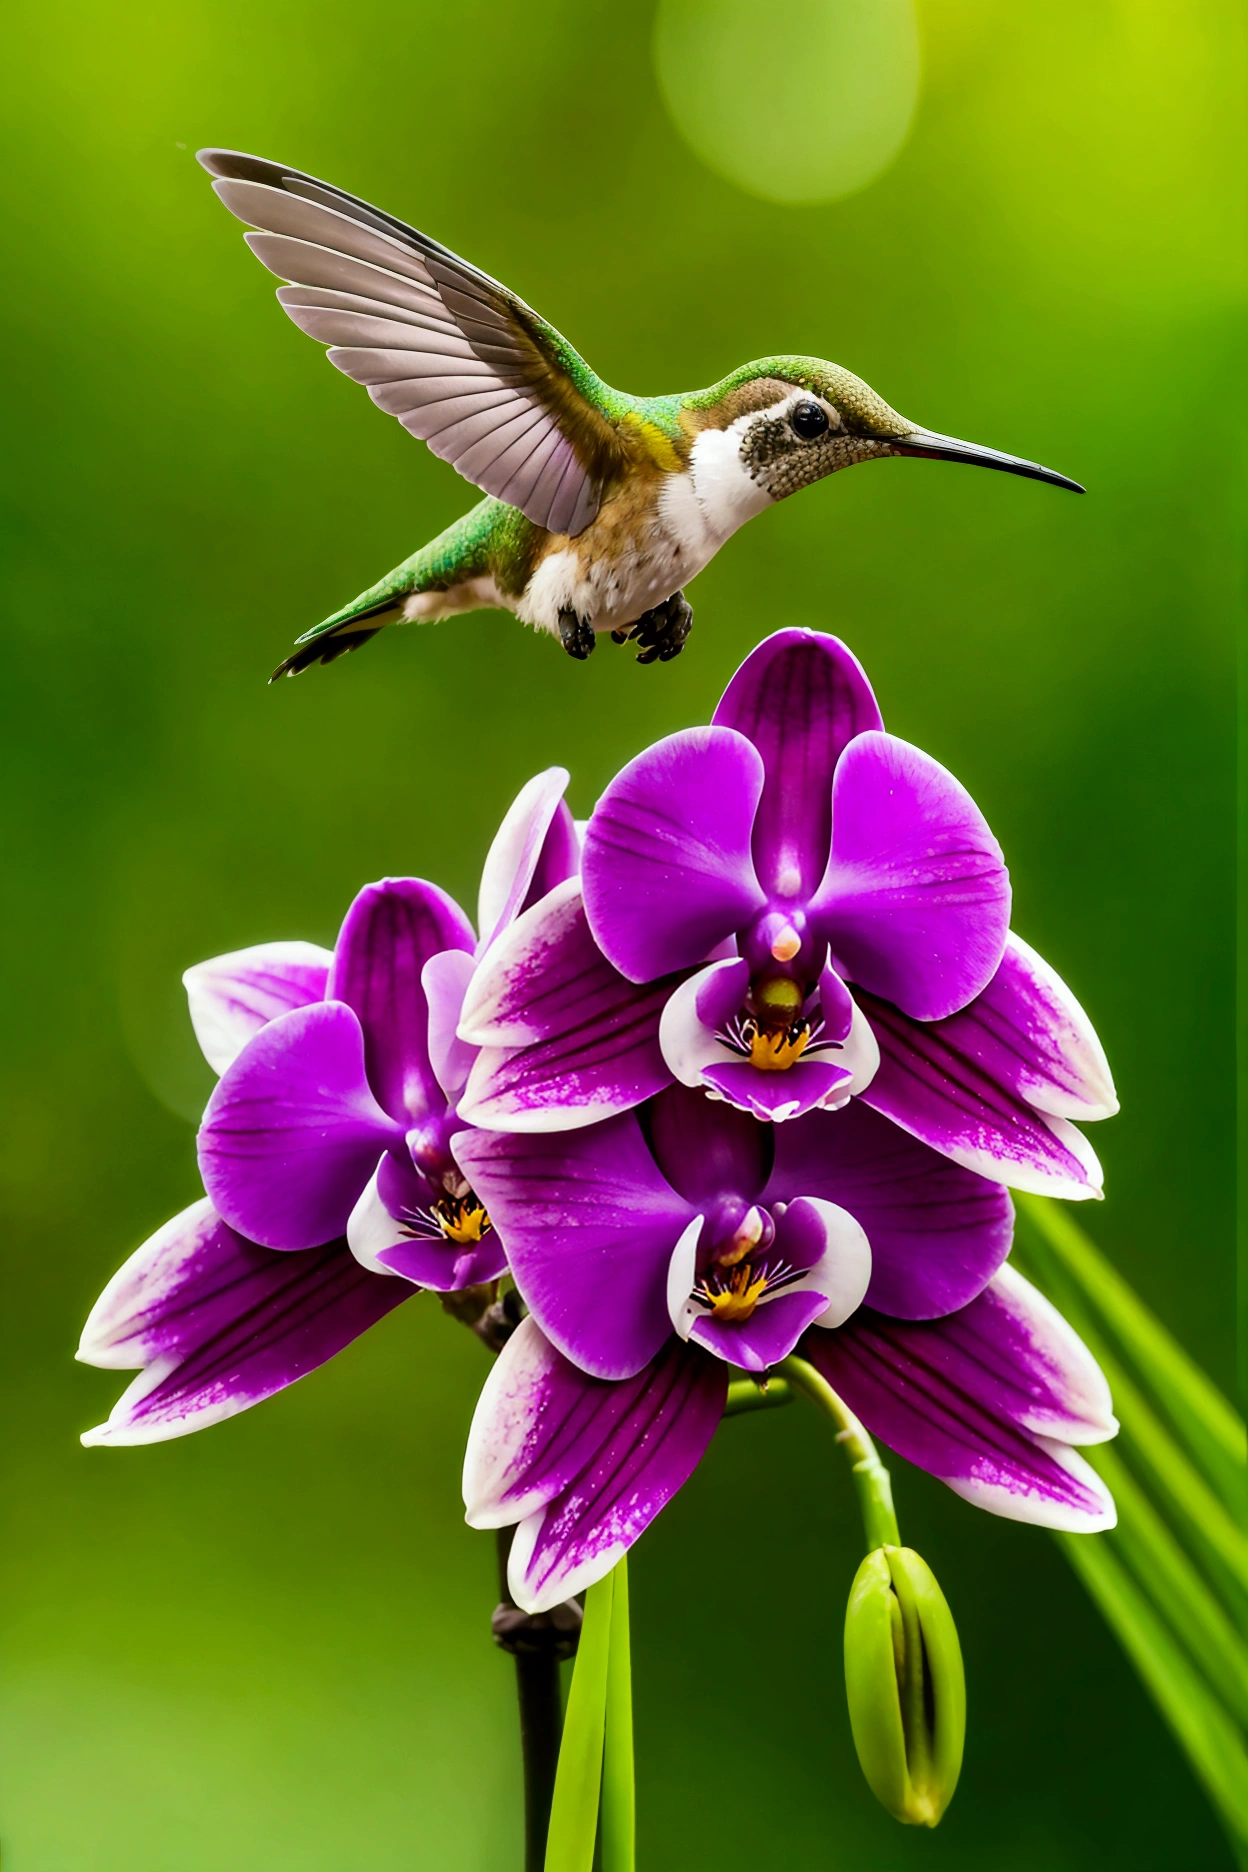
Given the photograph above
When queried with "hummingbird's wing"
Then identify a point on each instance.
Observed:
(463, 364)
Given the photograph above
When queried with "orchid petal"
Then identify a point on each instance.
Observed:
(957, 1083)
(938, 1234)
(959, 1397)
(801, 697)
(694, 1014)
(444, 982)
(916, 899)
(233, 996)
(706, 1150)
(666, 871)
(389, 933)
(566, 1040)
(769, 1335)
(828, 1253)
(584, 1466)
(832, 1247)
(535, 848)
(382, 1241)
(809, 1085)
(589, 1226)
(292, 1131)
(681, 1273)
(219, 1323)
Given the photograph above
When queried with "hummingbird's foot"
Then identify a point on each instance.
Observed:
(662, 631)
(576, 634)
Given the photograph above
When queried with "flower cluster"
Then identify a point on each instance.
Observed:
(745, 1072)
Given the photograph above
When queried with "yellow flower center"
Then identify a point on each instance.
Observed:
(738, 1294)
(775, 1049)
(461, 1219)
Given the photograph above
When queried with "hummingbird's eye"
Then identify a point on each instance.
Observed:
(808, 420)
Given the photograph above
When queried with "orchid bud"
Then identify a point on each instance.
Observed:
(905, 1685)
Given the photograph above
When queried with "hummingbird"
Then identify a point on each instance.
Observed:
(599, 505)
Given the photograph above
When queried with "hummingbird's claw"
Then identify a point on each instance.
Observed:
(662, 631)
(576, 634)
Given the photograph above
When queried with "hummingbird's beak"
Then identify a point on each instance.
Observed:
(929, 446)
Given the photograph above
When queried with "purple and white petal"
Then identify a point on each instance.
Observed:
(696, 1013)
(958, 1396)
(689, 1037)
(389, 933)
(860, 1054)
(583, 1465)
(938, 1234)
(444, 981)
(1066, 1073)
(916, 899)
(832, 1247)
(1030, 1034)
(589, 1225)
(219, 1323)
(809, 1085)
(233, 996)
(381, 1222)
(949, 1083)
(390, 1232)
(666, 871)
(292, 1131)
(535, 848)
(769, 1335)
(824, 1265)
(566, 1040)
(801, 697)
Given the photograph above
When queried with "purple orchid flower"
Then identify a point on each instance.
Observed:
(325, 1147)
(789, 909)
(661, 1248)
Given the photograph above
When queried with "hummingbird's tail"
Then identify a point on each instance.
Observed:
(329, 641)
(355, 623)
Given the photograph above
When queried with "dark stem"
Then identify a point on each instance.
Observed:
(537, 1642)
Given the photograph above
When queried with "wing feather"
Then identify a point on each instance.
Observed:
(463, 363)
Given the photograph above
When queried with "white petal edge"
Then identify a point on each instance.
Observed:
(139, 1284)
(1038, 1509)
(999, 1167)
(444, 979)
(843, 1270)
(689, 1046)
(1080, 1046)
(371, 1229)
(500, 1430)
(565, 1580)
(680, 1272)
(520, 946)
(117, 1432)
(229, 1001)
(1090, 1415)
(495, 1113)
(860, 1056)
(512, 858)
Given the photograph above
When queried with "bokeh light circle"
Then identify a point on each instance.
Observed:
(793, 100)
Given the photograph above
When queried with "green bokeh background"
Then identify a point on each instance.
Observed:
(267, 1647)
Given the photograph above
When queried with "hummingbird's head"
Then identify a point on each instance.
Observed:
(779, 424)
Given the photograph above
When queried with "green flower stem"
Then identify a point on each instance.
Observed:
(871, 1478)
(753, 1394)
(574, 1814)
(619, 1801)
